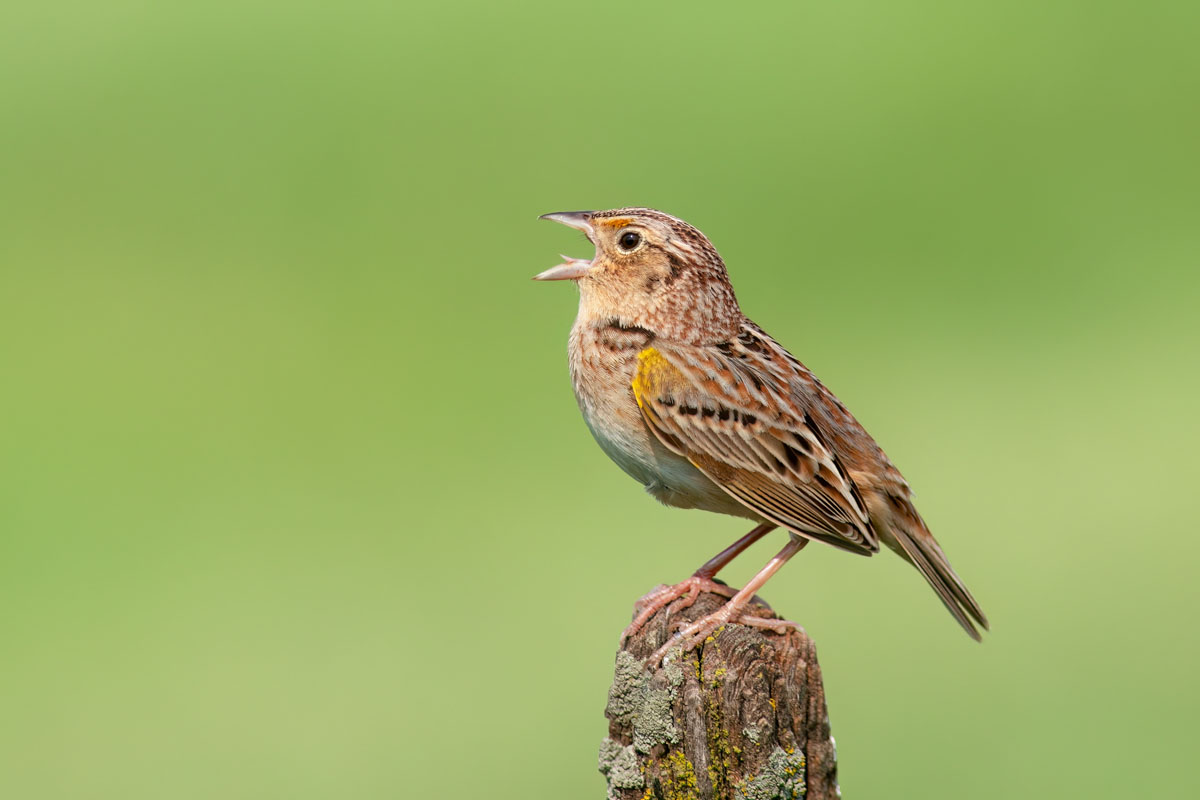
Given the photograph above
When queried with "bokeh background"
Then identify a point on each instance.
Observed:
(294, 496)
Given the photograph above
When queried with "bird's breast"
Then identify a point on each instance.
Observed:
(603, 359)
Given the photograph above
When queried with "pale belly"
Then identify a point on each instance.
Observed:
(602, 381)
(670, 478)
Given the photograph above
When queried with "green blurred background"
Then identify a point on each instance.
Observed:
(294, 496)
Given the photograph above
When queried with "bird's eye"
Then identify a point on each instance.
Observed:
(629, 241)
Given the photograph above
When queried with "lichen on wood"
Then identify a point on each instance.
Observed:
(741, 717)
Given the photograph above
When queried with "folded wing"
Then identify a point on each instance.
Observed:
(731, 411)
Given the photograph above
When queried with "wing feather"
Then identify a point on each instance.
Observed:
(731, 410)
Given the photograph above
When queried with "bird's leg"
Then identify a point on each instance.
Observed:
(699, 630)
(722, 559)
(701, 580)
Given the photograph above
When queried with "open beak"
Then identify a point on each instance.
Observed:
(572, 269)
(579, 220)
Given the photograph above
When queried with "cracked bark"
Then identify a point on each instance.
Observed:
(742, 717)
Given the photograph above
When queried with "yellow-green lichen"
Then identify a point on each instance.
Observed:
(634, 703)
(674, 674)
(620, 767)
(781, 779)
(653, 723)
(720, 753)
(629, 684)
(678, 778)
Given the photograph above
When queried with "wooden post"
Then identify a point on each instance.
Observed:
(742, 717)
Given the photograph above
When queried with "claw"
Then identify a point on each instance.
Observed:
(699, 630)
(665, 595)
(689, 637)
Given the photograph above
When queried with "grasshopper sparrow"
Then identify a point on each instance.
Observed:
(704, 409)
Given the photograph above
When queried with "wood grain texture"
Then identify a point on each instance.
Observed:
(742, 717)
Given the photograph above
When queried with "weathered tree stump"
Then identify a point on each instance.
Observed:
(742, 717)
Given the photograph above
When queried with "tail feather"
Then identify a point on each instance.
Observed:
(923, 552)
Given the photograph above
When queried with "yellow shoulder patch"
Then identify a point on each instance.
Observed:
(652, 368)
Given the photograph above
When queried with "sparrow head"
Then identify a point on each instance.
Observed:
(650, 269)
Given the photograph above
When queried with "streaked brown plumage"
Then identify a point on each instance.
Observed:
(707, 411)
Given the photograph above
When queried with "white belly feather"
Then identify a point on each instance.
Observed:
(602, 374)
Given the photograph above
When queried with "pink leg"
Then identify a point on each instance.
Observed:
(701, 580)
(699, 630)
(722, 559)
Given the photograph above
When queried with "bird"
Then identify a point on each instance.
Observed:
(706, 410)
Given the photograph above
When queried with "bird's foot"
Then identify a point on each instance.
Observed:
(654, 602)
(695, 634)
